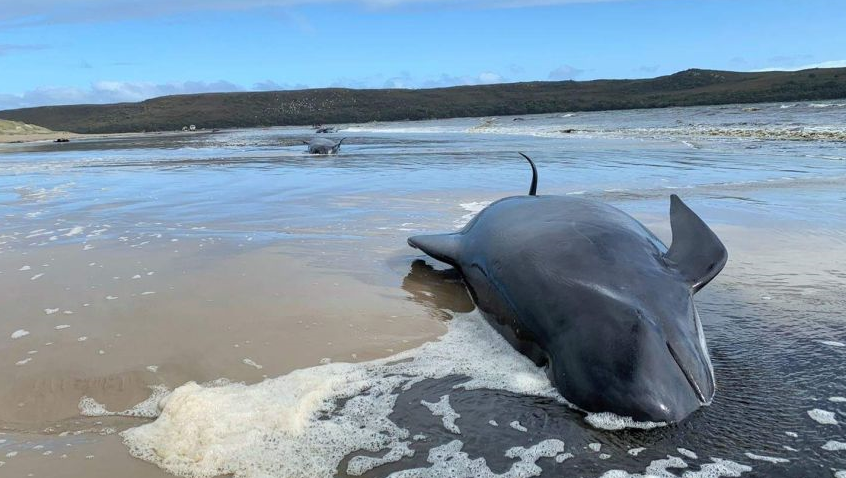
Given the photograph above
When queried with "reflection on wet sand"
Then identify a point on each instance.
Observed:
(439, 290)
(216, 312)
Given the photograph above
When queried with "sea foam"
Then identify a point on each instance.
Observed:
(304, 423)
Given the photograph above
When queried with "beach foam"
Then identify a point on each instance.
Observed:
(832, 343)
(833, 445)
(660, 468)
(687, 453)
(295, 425)
(656, 468)
(769, 459)
(149, 408)
(610, 421)
(718, 468)
(561, 458)
(822, 416)
(517, 426)
(19, 333)
(449, 461)
(75, 231)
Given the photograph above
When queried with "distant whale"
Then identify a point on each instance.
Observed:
(323, 146)
(586, 290)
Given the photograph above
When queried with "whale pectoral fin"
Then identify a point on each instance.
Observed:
(696, 252)
(443, 247)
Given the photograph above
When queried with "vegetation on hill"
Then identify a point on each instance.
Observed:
(338, 105)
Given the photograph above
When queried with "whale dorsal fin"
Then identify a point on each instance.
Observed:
(533, 189)
(696, 252)
(443, 247)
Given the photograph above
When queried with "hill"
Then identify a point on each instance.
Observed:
(339, 105)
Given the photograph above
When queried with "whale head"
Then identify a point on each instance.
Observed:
(638, 355)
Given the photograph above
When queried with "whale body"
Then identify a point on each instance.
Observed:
(323, 146)
(585, 290)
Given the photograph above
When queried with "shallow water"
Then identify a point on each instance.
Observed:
(175, 258)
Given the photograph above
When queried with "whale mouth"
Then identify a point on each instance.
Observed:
(693, 383)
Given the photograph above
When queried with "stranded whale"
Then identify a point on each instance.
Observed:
(586, 290)
(323, 146)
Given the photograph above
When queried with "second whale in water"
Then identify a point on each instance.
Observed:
(323, 146)
(587, 291)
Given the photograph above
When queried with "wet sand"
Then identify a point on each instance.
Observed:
(30, 137)
(52, 136)
(173, 312)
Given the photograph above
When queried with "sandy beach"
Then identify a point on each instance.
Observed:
(52, 136)
(17, 132)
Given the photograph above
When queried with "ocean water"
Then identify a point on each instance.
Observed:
(323, 345)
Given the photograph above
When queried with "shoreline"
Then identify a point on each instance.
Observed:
(52, 136)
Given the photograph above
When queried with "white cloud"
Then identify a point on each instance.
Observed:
(647, 69)
(8, 48)
(489, 77)
(404, 80)
(824, 64)
(565, 72)
(108, 91)
(484, 78)
(270, 85)
(790, 59)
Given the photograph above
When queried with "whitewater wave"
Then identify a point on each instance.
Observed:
(827, 105)
(493, 126)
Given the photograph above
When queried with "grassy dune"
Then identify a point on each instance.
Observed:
(14, 128)
(19, 132)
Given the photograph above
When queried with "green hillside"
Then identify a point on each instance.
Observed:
(336, 105)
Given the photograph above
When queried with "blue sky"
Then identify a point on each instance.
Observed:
(95, 51)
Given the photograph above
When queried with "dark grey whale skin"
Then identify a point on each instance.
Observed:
(323, 146)
(586, 290)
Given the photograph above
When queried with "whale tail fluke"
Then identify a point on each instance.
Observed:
(696, 251)
(533, 189)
